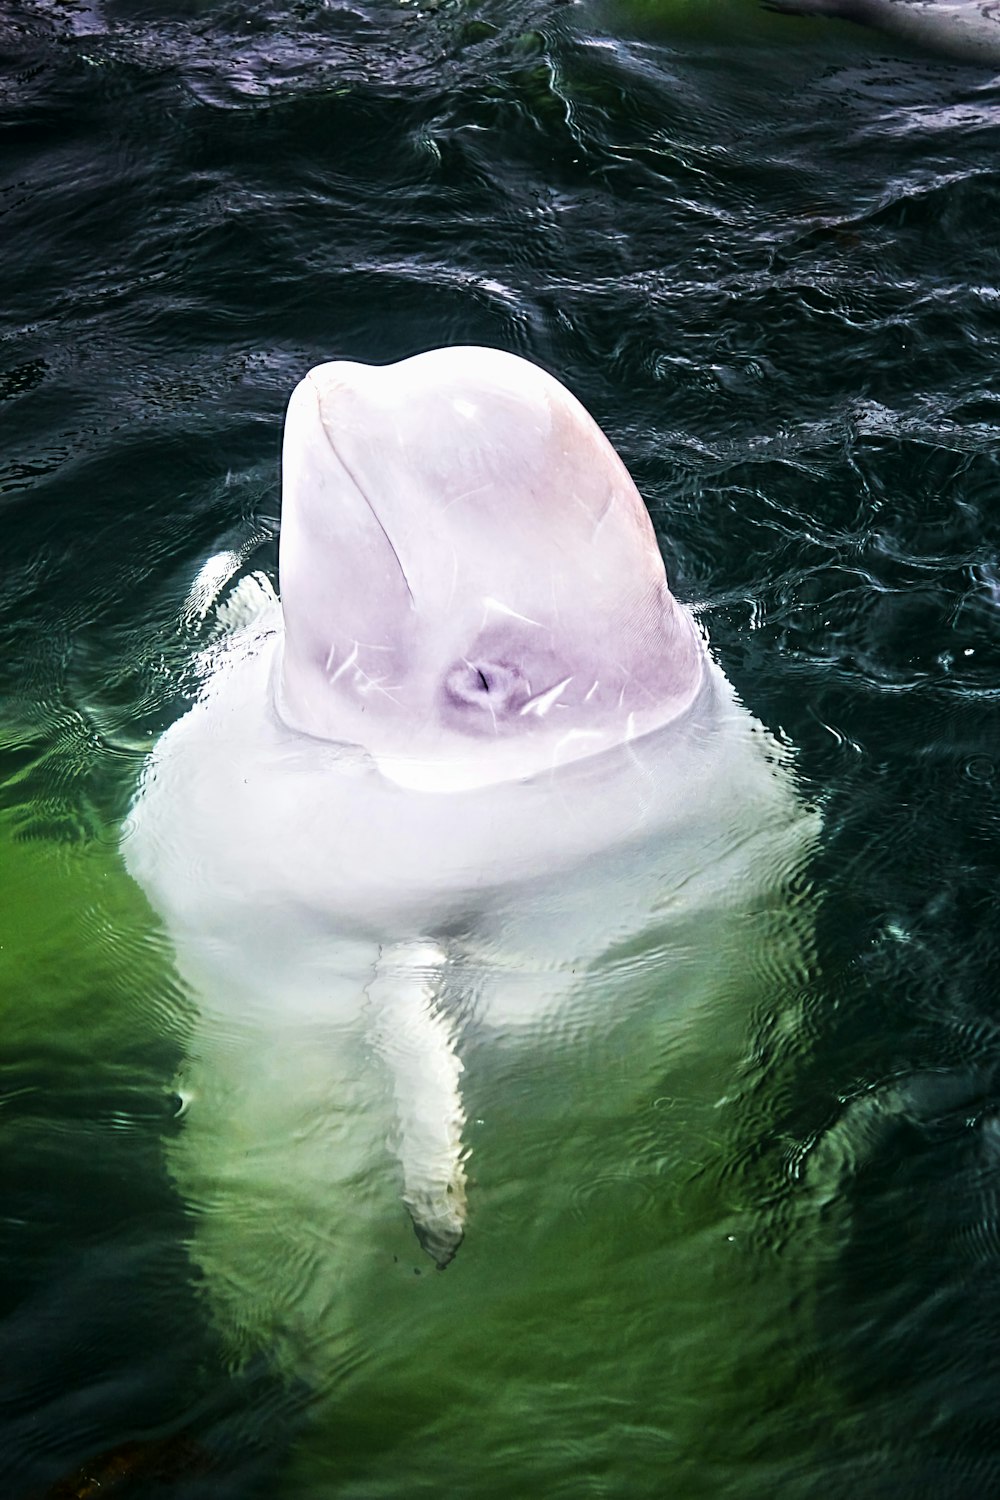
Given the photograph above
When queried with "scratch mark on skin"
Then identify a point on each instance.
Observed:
(350, 660)
(605, 512)
(592, 690)
(493, 605)
(630, 680)
(478, 489)
(347, 662)
(544, 701)
(365, 685)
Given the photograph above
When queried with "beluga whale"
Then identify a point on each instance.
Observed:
(447, 795)
(966, 30)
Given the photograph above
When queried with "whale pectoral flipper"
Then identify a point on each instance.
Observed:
(415, 1037)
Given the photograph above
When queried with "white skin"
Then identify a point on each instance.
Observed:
(479, 744)
(967, 30)
(438, 517)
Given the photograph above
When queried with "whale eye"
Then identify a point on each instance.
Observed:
(490, 685)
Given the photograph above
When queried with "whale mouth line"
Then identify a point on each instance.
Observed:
(341, 460)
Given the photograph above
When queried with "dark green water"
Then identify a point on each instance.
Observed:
(763, 252)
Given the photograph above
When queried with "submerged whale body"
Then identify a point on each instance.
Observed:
(476, 749)
(966, 30)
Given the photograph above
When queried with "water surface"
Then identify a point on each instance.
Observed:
(763, 253)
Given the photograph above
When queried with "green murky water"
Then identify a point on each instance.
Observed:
(741, 1245)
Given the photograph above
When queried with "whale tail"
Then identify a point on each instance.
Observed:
(415, 1037)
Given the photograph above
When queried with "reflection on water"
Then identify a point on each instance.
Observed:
(751, 1254)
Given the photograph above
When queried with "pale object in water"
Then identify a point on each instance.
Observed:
(477, 748)
(966, 30)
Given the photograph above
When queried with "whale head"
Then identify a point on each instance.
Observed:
(470, 583)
